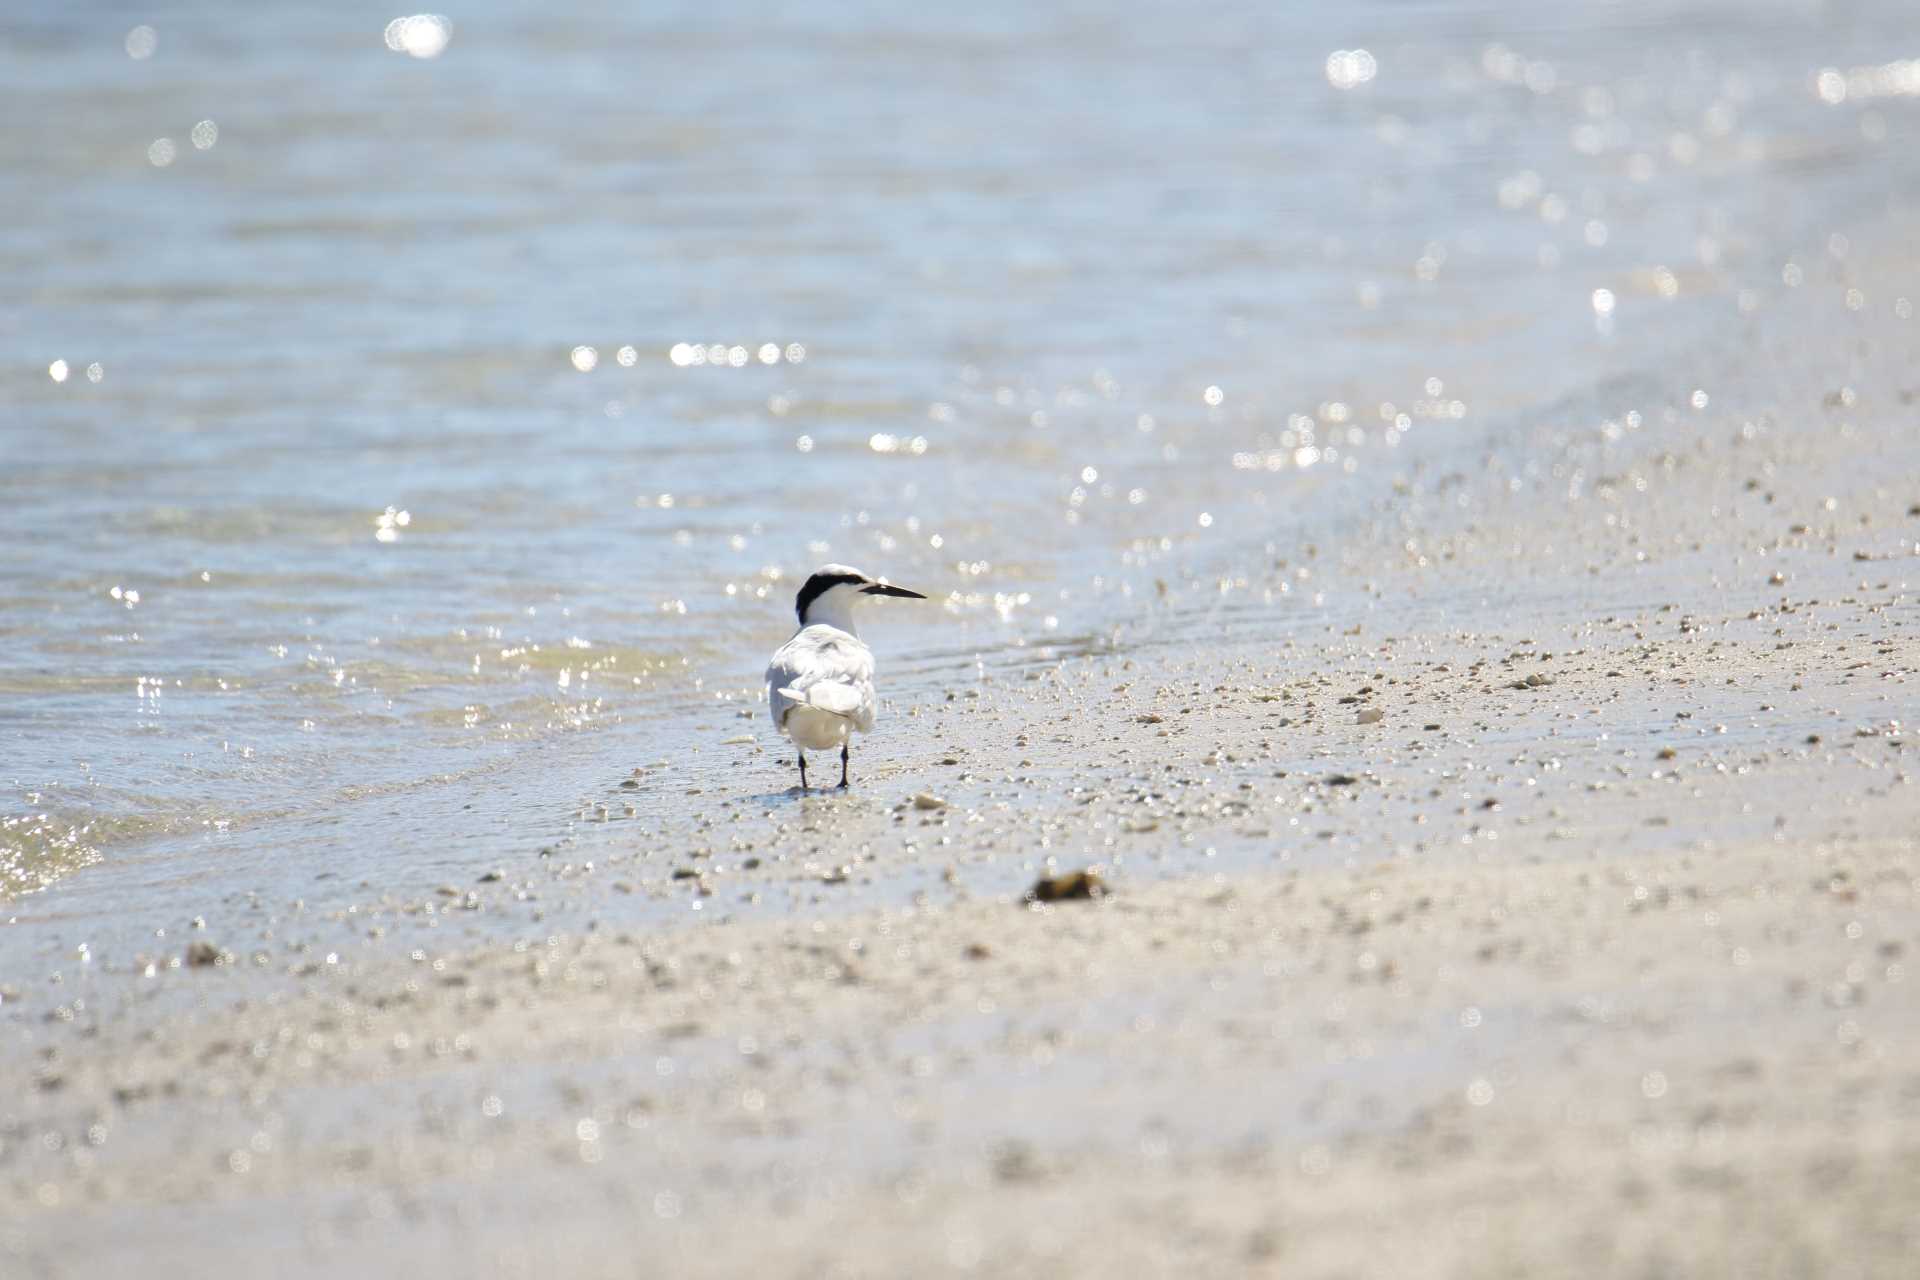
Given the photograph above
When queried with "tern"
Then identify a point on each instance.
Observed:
(820, 683)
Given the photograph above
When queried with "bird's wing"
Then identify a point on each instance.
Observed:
(780, 693)
(826, 668)
(838, 699)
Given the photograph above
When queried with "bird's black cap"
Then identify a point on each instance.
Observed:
(821, 583)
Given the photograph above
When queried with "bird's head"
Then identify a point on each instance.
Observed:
(831, 591)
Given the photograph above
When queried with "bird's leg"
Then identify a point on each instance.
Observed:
(803, 771)
(843, 766)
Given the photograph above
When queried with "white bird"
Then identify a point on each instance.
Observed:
(820, 683)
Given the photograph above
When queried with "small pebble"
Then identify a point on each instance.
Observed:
(1075, 886)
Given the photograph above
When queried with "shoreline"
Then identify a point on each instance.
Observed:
(1495, 964)
(1604, 973)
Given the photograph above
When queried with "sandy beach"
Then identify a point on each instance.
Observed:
(1523, 885)
(1405, 768)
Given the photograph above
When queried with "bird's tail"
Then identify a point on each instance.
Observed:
(837, 699)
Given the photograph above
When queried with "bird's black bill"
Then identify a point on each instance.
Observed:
(882, 589)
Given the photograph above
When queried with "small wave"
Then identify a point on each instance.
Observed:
(37, 849)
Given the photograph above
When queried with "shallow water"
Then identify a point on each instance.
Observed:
(400, 516)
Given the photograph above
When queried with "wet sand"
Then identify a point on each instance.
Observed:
(1522, 885)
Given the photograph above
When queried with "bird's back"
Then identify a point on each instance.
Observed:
(823, 655)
